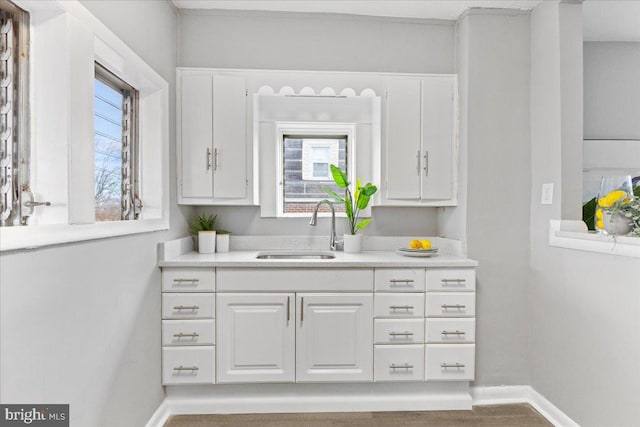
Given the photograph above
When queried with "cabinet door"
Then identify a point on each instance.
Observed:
(438, 137)
(196, 111)
(403, 139)
(229, 137)
(334, 337)
(256, 338)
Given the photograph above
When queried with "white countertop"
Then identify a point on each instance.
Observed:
(247, 259)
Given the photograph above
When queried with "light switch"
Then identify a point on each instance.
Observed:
(547, 194)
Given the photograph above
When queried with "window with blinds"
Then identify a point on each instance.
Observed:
(116, 148)
(15, 204)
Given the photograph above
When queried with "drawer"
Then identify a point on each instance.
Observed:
(399, 305)
(450, 362)
(188, 365)
(393, 331)
(188, 280)
(188, 332)
(398, 363)
(450, 330)
(188, 306)
(399, 279)
(447, 279)
(325, 279)
(451, 304)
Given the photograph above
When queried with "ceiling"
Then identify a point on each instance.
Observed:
(435, 9)
(604, 20)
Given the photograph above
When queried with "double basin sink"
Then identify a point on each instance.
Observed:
(304, 255)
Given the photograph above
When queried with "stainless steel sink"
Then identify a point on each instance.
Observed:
(296, 255)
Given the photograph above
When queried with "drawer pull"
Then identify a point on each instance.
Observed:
(186, 368)
(186, 307)
(454, 306)
(405, 334)
(455, 282)
(187, 281)
(404, 366)
(450, 365)
(401, 307)
(401, 282)
(181, 335)
(453, 333)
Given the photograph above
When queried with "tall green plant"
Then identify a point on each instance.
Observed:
(355, 202)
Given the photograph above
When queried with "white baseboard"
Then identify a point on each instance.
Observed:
(522, 394)
(160, 416)
(231, 403)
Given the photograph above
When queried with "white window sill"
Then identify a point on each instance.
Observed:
(574, 235)
(35, 236)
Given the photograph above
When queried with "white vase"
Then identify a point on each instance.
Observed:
(353, 243)
(616, 225)
(222, 243)
(206, 242)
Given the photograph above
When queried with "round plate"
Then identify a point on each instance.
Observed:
(422, 253)
(417, 250)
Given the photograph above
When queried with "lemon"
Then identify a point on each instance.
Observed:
(415, 244)
(600, 224)
(425, 244)
(611, 198)
(599, 213)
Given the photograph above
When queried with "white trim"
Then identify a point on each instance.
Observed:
(574, 235)
(160, 416)
(501, 395)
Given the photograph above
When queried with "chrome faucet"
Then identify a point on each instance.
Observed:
(334, 243)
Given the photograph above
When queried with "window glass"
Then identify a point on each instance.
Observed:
(306, 171)
(115, 144)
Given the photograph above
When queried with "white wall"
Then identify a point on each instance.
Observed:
(584, 308)
(79, 323)
(495, 77)
(612, 90)
(262, 40)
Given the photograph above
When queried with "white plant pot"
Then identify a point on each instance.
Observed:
(206, 242)
(617, 225)
(222, 243)
(353, 243)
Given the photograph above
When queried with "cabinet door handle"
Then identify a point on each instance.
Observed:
(208, 158)
(453, 333)
(301, 309)
(452, 365)
(403, 366)
(454, 282)
(215, 159)
(186, 368)
(426, 162)
(456, 306)
(288, 308)
(396, 282)
(181, 335)
(405, 333)
(418, 162)
(186, 307)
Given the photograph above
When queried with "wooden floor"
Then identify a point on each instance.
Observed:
(518, 415)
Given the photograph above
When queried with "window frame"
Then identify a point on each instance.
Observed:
(317, 130)
(73, 38)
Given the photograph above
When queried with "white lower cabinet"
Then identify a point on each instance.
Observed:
(188, 365)
(256, 338)
(450, 362)
(334, 338)
(399, 363)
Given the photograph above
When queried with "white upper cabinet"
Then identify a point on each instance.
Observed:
(213, 143)
(419, 154)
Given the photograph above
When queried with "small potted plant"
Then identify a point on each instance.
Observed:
(222, 241)
(203, 226)
(354, 202)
